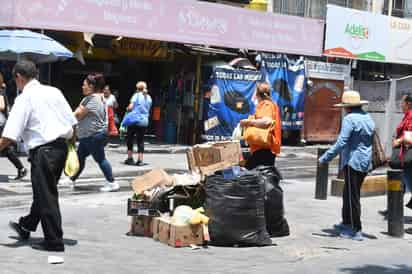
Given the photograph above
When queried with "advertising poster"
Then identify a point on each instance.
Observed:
(287, 79)
(232, 99)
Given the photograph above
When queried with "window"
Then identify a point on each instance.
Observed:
(398, 7)
(290, 7)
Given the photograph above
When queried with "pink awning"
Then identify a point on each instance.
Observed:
(182, 21)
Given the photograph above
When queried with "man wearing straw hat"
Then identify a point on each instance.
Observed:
(355, 145)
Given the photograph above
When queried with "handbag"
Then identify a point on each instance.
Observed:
(261, 137)
(401, 157)
(72, 164)
(378, 152)
(111, 128)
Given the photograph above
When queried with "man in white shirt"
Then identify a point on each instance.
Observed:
(44, 119)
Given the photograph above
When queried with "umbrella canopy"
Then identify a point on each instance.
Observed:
(25, 44)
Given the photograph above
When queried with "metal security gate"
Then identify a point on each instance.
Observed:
(384, 105)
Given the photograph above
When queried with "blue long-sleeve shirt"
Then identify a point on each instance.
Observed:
(354, 142)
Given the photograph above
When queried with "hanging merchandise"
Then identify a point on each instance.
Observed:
(287, 79)
(232, 99)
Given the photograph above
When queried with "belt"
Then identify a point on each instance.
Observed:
(56, 143)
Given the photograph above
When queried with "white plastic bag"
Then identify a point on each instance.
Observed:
(237, 133)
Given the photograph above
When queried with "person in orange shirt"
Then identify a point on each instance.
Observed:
(267, 112)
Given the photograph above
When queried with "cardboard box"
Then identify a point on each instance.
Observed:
(155, 228)
(164, 230)
(153, 178)
(185, 235)
(210, 157)
(141, 226)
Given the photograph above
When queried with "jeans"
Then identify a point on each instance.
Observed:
(94, 145)
(407, 179)
(47, 163)
(351, 208)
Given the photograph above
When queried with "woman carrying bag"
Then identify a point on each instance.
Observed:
(262, 131)
(92, 129)
(402, 130)
(354, 144)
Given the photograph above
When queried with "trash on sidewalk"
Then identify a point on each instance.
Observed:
(141, 226)
(151, 179)
(55, 260)
(210, 157)
(179, 235)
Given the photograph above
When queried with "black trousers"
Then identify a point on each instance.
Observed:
(11, 155)
(136, 133)
(47, 164)
(351, 209)
(262, 157)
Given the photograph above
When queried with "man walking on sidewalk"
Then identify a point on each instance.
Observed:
(355, 143)
(44, 119)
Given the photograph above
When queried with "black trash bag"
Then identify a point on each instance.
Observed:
(276, 224)
(236, 210)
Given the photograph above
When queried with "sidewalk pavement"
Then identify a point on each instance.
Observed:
(172, 158)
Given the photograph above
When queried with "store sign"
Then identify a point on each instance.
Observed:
(356, 34)
(172, 20)
(368, 36)
(140, 48)
(324, 70)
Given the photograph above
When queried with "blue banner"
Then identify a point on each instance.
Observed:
(232, 99)
(287, 79)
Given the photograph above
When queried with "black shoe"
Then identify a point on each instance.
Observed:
(23, 234)
(409, 204)
(129, 161)
(21, 173)
(44, 246)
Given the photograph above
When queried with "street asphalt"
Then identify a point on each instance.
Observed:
(95, 226)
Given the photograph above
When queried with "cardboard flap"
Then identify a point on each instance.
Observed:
(153, 178)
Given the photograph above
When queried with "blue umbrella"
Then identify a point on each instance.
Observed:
(25, 44)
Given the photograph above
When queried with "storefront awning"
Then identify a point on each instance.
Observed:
(178, 21)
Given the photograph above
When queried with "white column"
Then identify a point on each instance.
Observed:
(270, 6)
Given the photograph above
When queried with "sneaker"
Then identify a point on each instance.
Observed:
(21, 173)
(129, 161)
(23, 233)
(66, 182)
(110, 187)
(341, 227)
(358, 236)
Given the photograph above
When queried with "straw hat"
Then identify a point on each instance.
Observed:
(351, 98)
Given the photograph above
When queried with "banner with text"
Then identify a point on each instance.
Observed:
(367, 36)
(232, 99)
(179, 21)
(287, 79)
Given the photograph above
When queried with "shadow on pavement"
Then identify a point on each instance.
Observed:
(378, 269)
(32, 240)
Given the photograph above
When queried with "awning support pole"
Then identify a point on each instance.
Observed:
(197, 98)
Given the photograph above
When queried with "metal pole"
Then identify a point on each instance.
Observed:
(390, 7)
(197, 98)
(322, 170)
(395, 204)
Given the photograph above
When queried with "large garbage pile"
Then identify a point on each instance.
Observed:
(217, 202)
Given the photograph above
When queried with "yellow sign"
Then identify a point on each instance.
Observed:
(260, 5)
(124, 47)
(140, 48)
